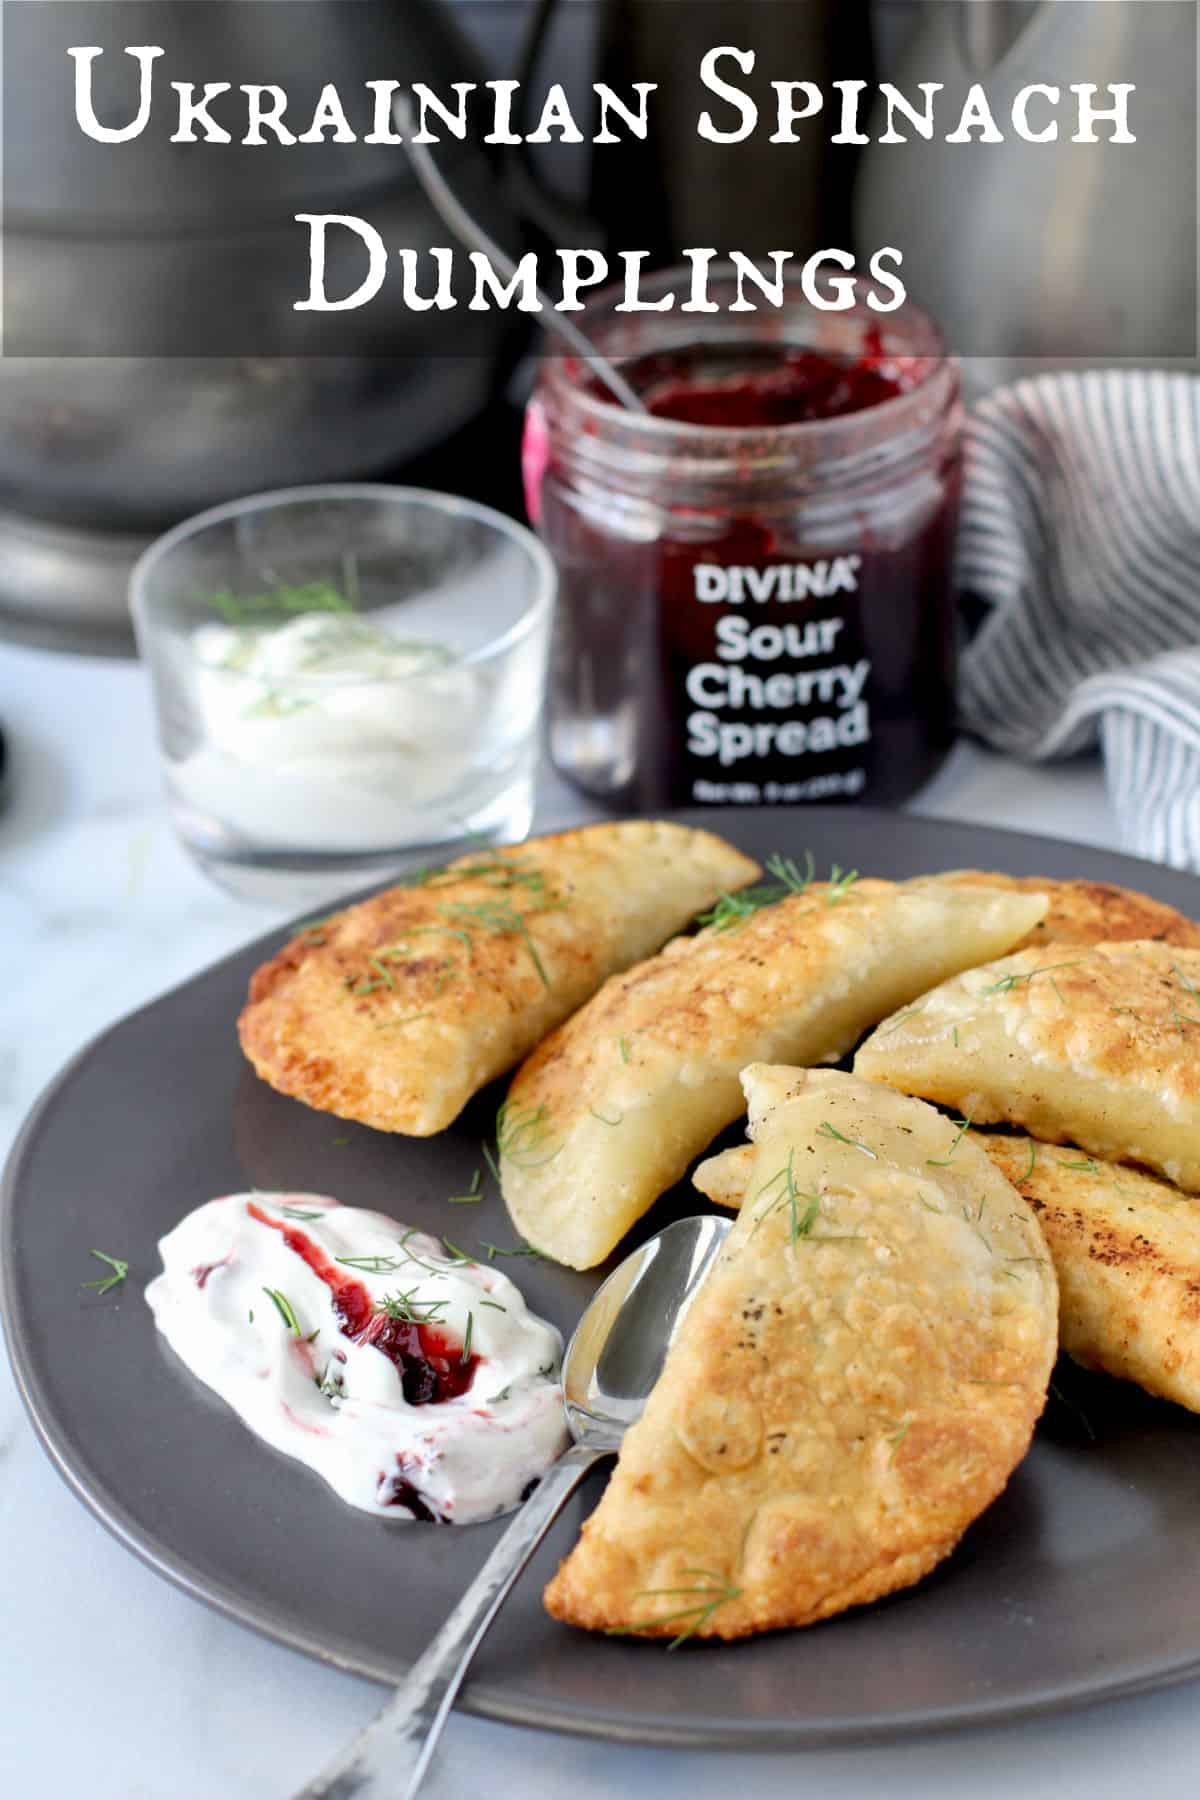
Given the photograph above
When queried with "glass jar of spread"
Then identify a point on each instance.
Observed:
(755, 574)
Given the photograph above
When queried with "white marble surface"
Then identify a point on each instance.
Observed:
(114, 1685)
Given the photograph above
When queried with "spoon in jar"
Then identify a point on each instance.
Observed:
(455, 217)
(612, 1362)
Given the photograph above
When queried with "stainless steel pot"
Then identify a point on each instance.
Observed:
(102, 252)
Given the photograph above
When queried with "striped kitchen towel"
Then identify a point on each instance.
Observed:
(1081, 537)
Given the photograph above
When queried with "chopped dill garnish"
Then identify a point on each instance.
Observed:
(825, 1129)
(896, 1438)
(313, 930)
(495, 1305)
(408, 1310)
(604, 1120)
(623, 1047)
(339, 1143)
(1087, 1164)
(298, 1212)
(501, 919)
(1007, 983)
(120, 1271)
(839, 884)
(711, 1591)
(473, 1195)
(940, 1162)
(898, 1019)
(1071, 1407)
(465, 1356)
(457, 1256)
(283, 1307)
(521, 1136)
(954, 1036)
(331, 1384)
(732, 909)
(305, 597)
(371, 1265)
(1032, 1159)
(495, 1250)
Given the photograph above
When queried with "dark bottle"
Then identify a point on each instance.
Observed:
(756, 598)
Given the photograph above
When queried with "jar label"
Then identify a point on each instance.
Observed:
(770, 682)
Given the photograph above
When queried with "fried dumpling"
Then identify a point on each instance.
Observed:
(1090, 912)
(397, 1010)
(612, 1108)
(1085, 1044)
(852, 1385)
(1126, 1249)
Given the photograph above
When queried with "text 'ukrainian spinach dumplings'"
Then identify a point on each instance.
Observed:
(395, 1011)
(1096, 1045)
(854, 1382)
(1126, 1249)
(611, 1109)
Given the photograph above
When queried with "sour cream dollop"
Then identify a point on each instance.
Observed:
(416, 1383)
(327, 733)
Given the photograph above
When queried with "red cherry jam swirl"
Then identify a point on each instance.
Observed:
(431, 1365)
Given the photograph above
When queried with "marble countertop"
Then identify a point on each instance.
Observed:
(118, 1686)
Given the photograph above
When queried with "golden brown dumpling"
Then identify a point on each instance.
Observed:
(398, 1009)
(612, 1108)
(1126, 1248)
(1087, 1044)
(854, 1382)
(1090, 912)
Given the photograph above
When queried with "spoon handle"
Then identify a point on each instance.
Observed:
(389, 1759)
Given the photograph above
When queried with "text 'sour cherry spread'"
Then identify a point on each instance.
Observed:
(755, 578)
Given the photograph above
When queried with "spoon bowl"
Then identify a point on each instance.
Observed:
(612, 1362)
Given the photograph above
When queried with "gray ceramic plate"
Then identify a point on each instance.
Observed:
(1083, 1580)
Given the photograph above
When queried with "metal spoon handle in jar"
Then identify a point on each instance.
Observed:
(388, 1760)
(456, 218)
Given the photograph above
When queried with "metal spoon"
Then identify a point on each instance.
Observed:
(455, 217)
(611, 1364)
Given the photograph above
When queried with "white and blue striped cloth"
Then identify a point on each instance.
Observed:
(1081, 535)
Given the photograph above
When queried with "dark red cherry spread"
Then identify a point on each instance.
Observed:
(757, 386)
(430, 1363)
(756, 602)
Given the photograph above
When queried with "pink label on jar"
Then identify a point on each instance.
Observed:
(535, 454)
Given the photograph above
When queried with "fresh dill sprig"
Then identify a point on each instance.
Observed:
(457, 1256)
(896, 1438)
(603, 1118)
(1007, 983)
(298, 1212)
(501, 919)
(825, 1129)
(1032, 1159)
(473, 1195)
(495, 1305)
(732, 909)
(522, 1134)
(409, 1311)
(465, 1355)
(940, 1162)
(495, 1250)
(372, 1265)
(839, 884)
(105, 1283)
(339, 1143)
(623, 1047)
(711, 1591)
(1087, 1164)
(283, 1307)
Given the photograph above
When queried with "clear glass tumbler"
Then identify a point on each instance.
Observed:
(345, 678)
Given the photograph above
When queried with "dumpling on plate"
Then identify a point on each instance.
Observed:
(1090, 1044)
(1126, 1248)
(612, 1108)
(395, 1011)
(852, 1385)
(1090, 912)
